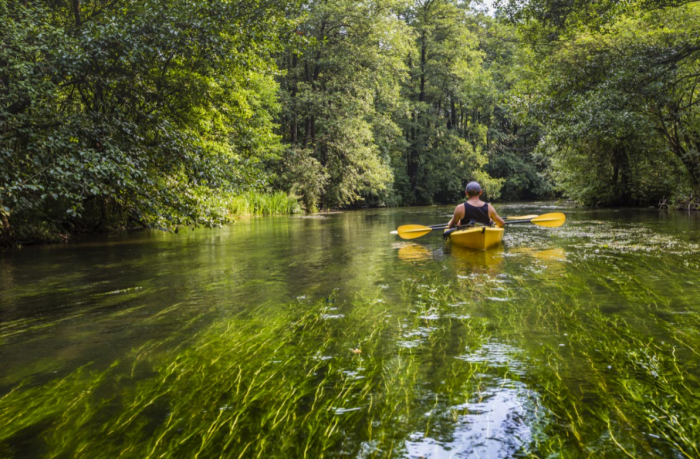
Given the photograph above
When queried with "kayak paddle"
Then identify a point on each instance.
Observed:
(416, 231)
(552, 220)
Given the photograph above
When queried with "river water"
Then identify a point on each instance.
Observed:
(325, 336)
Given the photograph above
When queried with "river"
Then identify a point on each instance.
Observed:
(326, 336)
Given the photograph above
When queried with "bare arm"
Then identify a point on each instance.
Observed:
(494, 216)
(458, 215)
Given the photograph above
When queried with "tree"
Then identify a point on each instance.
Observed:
(510, 70)
(340, 87)
(441, 127)
(622, 106)
(120, 110)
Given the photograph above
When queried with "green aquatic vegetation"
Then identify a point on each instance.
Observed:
(252, 381)
(107, 301)
(635, 391)
(254, 203)
(269, 385)
(610, 386)
(363, 377)
(538, 351)
(608, 237)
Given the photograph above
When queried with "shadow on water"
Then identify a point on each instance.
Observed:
(329, 337)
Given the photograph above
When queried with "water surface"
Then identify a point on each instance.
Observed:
(328, 337)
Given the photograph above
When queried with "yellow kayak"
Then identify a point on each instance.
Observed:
(477, 238)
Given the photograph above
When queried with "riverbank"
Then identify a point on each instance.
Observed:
(225, 209)
(106, 217)
(689, 203)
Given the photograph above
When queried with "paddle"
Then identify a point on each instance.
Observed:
(415, 231)
(552, 220)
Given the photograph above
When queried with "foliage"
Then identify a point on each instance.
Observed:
(122, 113)
(254, 203)
(442, 126)
(512, 135)
(364, 91)
(145, 107)
(622, 110)
(341, 84)
(549, 20)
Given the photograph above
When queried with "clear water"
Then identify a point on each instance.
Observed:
(329, 337)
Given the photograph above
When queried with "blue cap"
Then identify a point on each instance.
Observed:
(473, 188)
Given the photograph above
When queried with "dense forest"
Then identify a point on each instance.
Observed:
(163, 113)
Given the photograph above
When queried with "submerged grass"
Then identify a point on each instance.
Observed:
(396, 376)
(302, 383)
(614, 384)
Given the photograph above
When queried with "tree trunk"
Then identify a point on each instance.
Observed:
(412, 153)
(692, 165)
(621, 166)
(423, 51)
(294, 128)
(690, 159)
(307, 131)
(313, 129)
(76, 12)
(5, 223)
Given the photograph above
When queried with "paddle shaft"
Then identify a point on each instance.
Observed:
(525, 219)
(471, 224)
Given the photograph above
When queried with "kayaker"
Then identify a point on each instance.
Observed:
(475, 209)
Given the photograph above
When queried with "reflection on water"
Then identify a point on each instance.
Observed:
(413, 252)
(494, 426)
(477, 259)
(497, 421)
(310, 337)
(555, 254)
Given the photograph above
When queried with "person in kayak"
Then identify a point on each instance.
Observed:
(475, 209)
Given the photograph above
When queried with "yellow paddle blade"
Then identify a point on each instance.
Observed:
(524, 217)
(552, 220)
(413, 231)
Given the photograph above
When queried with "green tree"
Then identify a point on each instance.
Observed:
(440, 128)
(622, 109)
(499, 101)
(339, 90)
(117, 110)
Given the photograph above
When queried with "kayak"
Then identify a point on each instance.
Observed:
(477, 238)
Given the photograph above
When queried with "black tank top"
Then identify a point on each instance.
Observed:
(478, 214)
